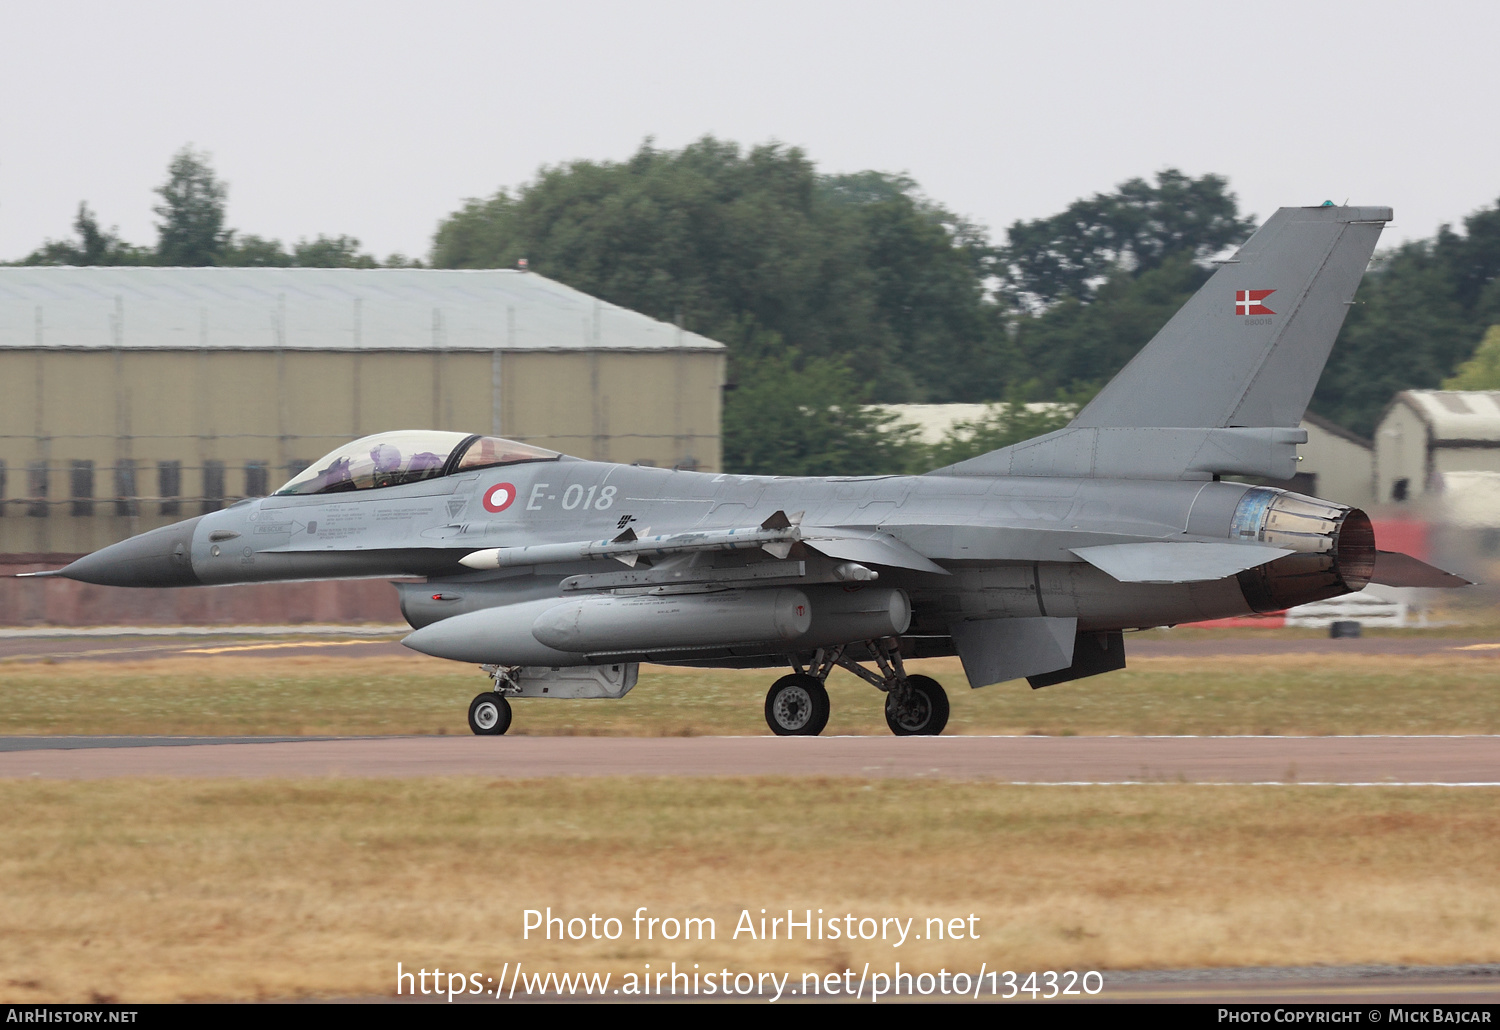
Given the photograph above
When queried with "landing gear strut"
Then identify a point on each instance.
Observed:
(489, 713)
(797, 705)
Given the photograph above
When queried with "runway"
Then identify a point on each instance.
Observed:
(1348, 987)
(121, 644)
(1363, 761)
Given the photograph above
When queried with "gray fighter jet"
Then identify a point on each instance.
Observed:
(559, 576)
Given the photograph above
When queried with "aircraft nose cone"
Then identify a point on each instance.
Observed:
(444, 640)
(159, 558)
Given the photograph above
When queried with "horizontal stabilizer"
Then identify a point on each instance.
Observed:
(997, 650)
(1394, 569)
(1184, 562)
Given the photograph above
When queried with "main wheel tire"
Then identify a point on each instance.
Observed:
(797, 706)
(919, 711)
(489, 714)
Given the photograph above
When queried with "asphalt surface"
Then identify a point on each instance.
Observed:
(1348, 988)
(111, 644)
(1308, 985)
(1452, 761)
(102, 646)
(1466, 761)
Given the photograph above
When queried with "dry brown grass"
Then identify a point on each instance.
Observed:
(1452, 692)
(158, 890)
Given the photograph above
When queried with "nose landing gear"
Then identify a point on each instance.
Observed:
(489, 714)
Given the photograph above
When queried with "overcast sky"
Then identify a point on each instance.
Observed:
(377, 118)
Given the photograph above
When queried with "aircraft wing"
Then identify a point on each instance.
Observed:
(1177, 562)
(868, 548)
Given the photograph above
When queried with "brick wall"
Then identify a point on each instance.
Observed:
(64, 602)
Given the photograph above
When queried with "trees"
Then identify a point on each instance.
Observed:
(331, 252)
(1079, 343)
(1415, 319)
(859, 282)
(191, 230)
(94, 246)
(1482, 371)
(1137, 228)
(1091, 285)
(788, 417)
(723, 241)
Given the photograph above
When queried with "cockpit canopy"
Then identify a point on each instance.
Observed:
(408, 456)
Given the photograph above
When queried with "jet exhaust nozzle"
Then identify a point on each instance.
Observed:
(1335, 547)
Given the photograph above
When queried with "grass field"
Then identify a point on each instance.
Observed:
(1449, 692)
(143, 890)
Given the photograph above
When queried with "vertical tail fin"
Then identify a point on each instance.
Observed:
(1224, 384)
(1248, 348)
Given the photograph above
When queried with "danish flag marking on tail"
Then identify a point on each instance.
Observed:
(1248, 302)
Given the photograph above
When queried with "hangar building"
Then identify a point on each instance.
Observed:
(134, 397)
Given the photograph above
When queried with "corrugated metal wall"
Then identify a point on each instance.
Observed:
(99, 444)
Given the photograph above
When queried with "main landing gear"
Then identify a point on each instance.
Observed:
(797, 705)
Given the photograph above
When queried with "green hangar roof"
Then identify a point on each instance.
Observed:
(381, 309)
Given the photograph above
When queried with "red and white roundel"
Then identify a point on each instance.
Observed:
(499, 496)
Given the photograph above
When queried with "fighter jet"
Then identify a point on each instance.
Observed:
(559, 576)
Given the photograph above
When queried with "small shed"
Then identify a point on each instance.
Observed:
(1426, 435)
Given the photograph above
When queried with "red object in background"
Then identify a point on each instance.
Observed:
(1408, 536)
(1270, 620)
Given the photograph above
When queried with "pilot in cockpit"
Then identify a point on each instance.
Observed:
(386, 459)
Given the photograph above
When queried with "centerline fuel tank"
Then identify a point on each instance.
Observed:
(556, 632)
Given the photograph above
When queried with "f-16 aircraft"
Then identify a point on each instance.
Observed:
(559, 576)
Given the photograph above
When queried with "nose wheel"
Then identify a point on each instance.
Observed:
(797, 706)
(489, 714)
